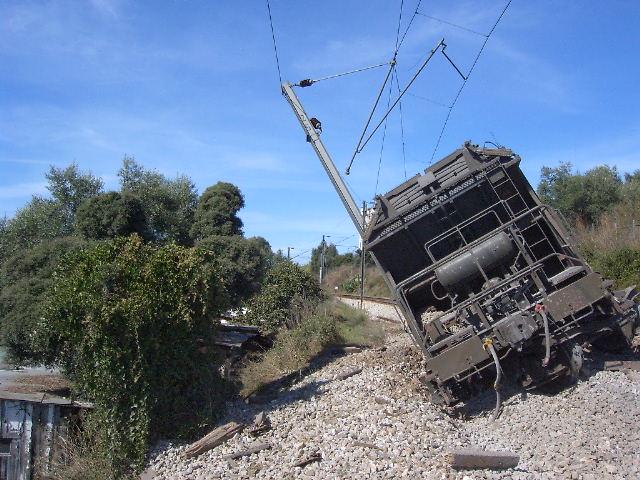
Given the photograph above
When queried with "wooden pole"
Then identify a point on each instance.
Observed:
(475, 458)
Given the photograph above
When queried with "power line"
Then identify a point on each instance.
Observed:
(409, 26)
(275, 47)
(435, 102)
(452, 24)
(404, 158)
(384, 135)
(464, 82)
(308, 82)
(399, 23)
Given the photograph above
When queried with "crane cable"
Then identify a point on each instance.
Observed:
(466, 78)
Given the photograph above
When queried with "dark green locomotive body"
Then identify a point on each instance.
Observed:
(475, 259)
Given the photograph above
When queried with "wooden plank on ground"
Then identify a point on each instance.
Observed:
(255, 448)
(348, 373)
(616, 365)
(472, 458)
(213, 439)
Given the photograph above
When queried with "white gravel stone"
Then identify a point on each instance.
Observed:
(587, 431)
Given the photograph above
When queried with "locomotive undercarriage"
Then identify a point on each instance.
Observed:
(488, 279)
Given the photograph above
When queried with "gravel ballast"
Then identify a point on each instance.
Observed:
(378, 423)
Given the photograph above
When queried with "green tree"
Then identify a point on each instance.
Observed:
(25, 277)
(580, 197)
(41, 219)
(128, 322)
(243, 263)
(169, 205)
(217, 212)
(333, 259)
(111, 214)
(69, 188)
(287, 289)
(631, 188)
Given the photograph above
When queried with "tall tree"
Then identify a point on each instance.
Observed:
(69, 188)
(580, 197)
(217, 212)
(242, 263)
(332, 257)
(25, 277)
(111, 214)
(40, 220)
(169, 204)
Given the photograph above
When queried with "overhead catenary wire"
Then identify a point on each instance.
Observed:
(452, 24)
(392, 66)
(409, 25)
(384, 136)
(430, 100)
(404, 157)
(399, 24)
(373, 110)
(466, 79)
(309, 81)
(275, 46)
(362, 144)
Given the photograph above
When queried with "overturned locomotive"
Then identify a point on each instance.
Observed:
(486, 274)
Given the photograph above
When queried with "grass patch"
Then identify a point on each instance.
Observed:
(83, 455)
(331, 324)
(355, 327)
(346, 279)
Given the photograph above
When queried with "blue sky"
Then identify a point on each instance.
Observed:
(190, 86)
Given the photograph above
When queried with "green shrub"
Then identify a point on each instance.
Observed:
(354, 325)
(111, 214)
(287, 292)
(25, 277)
(330, 323)
(125, 321)
(292, 351)
(243, 263)
(621, 265)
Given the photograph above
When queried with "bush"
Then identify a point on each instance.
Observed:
(330, 323)
(110, 215)
(292, 351)
(242, 262)
(287, 291)
(621, 265)
(126, 321)
(25, 277)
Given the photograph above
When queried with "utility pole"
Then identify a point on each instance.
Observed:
(363, 254)
(313, 138)
(322, 250)
(289, 252)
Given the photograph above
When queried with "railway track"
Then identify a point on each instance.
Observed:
(383, 300)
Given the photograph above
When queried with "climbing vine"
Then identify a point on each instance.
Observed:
(129, 323)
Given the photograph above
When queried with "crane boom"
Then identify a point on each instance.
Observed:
(314, 138)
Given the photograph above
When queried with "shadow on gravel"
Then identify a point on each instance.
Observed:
(279, 393)
(597, 361)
